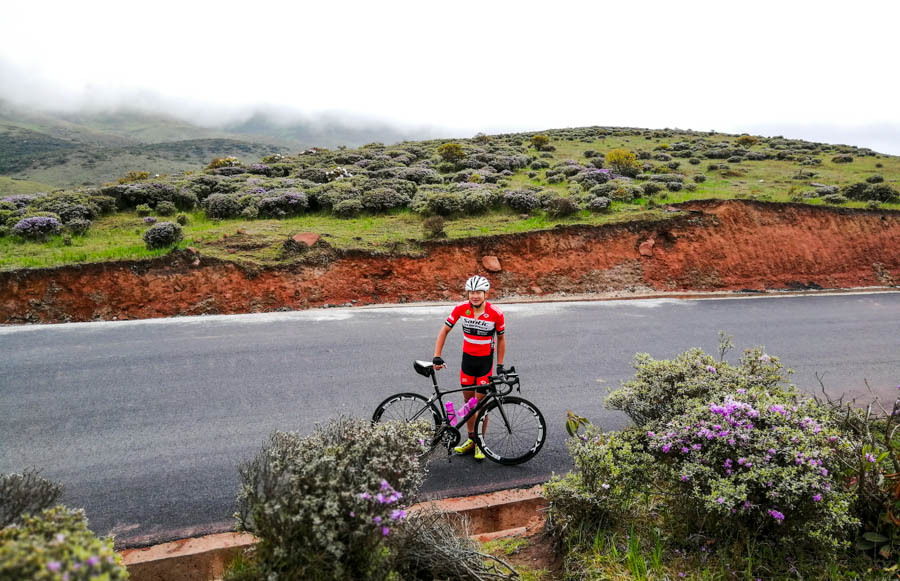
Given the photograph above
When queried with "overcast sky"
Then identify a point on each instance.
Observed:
(819, 70)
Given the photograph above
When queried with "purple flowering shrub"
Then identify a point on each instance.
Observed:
(37, 227)
(325, 505)
(724, 451)
(291, 203)
(57, 544)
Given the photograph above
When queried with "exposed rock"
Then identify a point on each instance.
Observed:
(491, 263)
(307, 238)
(646, 247)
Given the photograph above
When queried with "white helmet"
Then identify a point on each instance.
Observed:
(478, 283)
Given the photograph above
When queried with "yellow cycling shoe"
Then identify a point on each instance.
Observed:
(479, 455)
(466, 447)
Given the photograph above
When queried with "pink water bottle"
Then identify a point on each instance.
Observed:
(469, 405)
(451, 413)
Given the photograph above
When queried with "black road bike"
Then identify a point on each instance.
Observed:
(508, 429)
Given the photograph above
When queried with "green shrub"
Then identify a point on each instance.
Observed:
(444, 204)
(182, 220)
(323, 505)
(875, 179)
(78, 227)
(539, 142)
(347, 208)
(522, 200)
(25, 493)
(279, 206)
(134, 194)
(224, 162)
(737, 449)
(37, 228)
(382, 199)
(674, 186)
(166, 208)
(561, 207)
(222, 206)
(143, 210)
(623, 162)
(834, 199)
(598, 204)
(651, 188)
(842, 159)
(162, 234)
(134, 176)
(451, 152)
(57, 544)
(433, 227)
(478, 202)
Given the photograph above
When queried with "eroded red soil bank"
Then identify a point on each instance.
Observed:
(710, 245)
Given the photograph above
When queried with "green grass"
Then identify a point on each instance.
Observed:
(11, 186)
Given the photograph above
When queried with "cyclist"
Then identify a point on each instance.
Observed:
(481, 322)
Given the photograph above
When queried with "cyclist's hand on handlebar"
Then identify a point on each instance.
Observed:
(438, 363)
(500, 369)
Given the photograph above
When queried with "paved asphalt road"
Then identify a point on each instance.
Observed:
(145, 421)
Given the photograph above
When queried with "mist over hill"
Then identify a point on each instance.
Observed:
(93, 145)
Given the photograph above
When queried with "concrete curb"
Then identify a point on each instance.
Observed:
(505, 513)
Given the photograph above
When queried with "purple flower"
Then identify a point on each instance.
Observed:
(684, 478)
(385, 485)
(817, 498)
(149, 220)
(666, 448)
(377, 520)
(742, 390)
(385, 531)
(710, 368)
(870, 457)
(93, 561)
(720, 500)
(778, 409)
(54, 566)
(352, 514)
(380, 498)
(776, 515)
(365, 495)
(397, 514)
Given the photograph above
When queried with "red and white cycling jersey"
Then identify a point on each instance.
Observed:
(478, 333)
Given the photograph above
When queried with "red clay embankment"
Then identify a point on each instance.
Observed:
(708, 245)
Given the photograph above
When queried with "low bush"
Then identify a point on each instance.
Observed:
(699, 178)
(522, 200)
(347, 208)
(451, 152)
(433, 227)
(881, 193)
(78, 227)
(875, 179)
(282, 205)
(651, 188)
(834, 199)
(562, 207)
(143, 210)
(37, 228)
(826, 190)
(162, 235)
(598, 204)
(25, 493)
(57, 544)
(134, 176)
(224, 162)
(623, 162)
(842, 159)
(182, 220)
(222, 206)
(131, 195)
(674, 186)
(478, 202)
(322, 506)
(166, 208)
(725, 451)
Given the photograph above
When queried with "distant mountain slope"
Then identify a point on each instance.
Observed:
(71, 149)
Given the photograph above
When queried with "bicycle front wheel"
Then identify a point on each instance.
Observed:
(511, 430)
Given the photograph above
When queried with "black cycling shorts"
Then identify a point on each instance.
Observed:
(474, 371)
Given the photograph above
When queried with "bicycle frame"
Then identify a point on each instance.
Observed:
(512, 379)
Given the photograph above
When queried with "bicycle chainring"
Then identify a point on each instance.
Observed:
(450, 437)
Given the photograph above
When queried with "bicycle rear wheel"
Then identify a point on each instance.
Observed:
(408, 407)
(511, 430)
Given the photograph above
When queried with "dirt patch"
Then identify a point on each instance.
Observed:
(707, 245)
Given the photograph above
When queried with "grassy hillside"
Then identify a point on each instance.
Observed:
(393, 197)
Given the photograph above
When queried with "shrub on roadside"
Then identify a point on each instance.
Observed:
(433, 227)
(322, 506)
(57, 544)
(444, 204)
(25, 493)
(730, 451)
(162, 235)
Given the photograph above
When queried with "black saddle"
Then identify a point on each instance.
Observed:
(425, 368)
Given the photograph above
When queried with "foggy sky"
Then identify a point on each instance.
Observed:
(823, 71)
